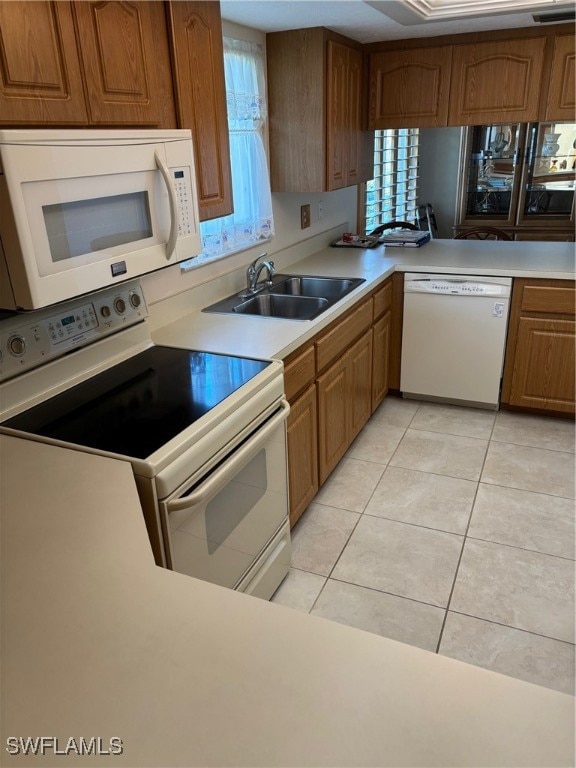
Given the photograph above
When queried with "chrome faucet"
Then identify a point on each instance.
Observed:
(253, 273)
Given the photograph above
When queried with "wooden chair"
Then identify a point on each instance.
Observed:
(482, 233)
(391, 225)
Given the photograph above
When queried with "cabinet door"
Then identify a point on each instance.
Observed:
(360, 143)
(344, 135)
(333, 416)
(296, 61)
(496, 82)
(126, 62)
(381, 360)
(196, 38)
(40, 80)
(543, 372)
(337, 117)
(360, 381)
(302, 453)
(409, 88)
(561, 95)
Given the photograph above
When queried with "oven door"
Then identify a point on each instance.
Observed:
(217, 528)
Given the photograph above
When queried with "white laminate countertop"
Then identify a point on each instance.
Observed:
(276, 338)
(98, 642)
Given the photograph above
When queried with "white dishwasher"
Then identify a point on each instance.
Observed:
(453, 338)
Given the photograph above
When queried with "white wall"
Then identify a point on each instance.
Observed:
(339, 207)
(438, 174)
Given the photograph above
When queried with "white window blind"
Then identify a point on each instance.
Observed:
(252, 220)
(392, 193)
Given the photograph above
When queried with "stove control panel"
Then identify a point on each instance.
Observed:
(30, 339)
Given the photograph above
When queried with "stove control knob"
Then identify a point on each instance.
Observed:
(120, 305)
(105, 311)
(135, 300)
(17, 345)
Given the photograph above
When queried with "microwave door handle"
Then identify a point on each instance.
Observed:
(221, 476)
(163, 168)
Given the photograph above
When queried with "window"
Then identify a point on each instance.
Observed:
(251, 221)
(392, 192)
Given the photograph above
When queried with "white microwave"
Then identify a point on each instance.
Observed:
(83, 209)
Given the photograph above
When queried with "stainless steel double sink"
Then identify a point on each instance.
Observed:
(291, 297)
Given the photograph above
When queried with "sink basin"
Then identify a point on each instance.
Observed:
(324, 287)
(289, 307)
(291, 297)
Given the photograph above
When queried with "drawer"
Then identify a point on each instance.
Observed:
(343, 334)
(553, 298)
(299, 372)
(382, 299)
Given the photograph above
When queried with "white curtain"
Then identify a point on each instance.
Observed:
(251, 221)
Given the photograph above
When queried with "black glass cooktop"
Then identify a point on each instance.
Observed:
(137, 406)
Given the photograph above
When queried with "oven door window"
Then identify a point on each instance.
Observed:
(232, 514)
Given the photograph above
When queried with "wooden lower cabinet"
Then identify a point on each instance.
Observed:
(540, 353)
(543, 375)
(333, 429)
(334, 382)
(302, 453)
(360, 392)
(381, 359)
(344, 403)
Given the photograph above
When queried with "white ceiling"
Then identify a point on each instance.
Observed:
(374, 20)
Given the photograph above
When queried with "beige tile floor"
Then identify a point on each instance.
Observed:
(452, 529)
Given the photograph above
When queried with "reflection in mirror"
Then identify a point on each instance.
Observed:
(552, 169)
(490, 171)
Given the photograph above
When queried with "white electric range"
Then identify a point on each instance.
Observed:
(205, 433)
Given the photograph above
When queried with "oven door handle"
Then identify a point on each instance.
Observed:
(172, 201)
(221, 476)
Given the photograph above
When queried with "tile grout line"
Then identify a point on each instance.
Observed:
(516, 629)
(522, 549)
(526, 490)
(464, 539)
(390, 594)
(360, 515)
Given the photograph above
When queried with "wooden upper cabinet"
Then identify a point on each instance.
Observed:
(315, 101)
(409, 88)
(198, 62)
(344, 116)
(85, 63)
(561, 94)
(40, 79)
(496, 81)
(338, 116)
(126, 62)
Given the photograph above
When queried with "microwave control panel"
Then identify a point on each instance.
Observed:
(183, 187)
(30, 339)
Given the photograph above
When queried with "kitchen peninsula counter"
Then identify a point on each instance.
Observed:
(275, 338)
(99, 642)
